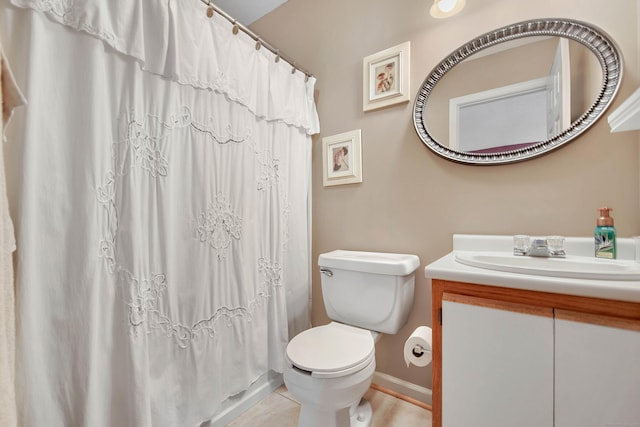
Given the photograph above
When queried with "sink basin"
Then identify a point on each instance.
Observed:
(575, 267)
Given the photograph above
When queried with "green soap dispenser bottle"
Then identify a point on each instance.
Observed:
(605, 235)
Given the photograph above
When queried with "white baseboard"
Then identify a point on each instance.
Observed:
(411, 390)
(234, 406)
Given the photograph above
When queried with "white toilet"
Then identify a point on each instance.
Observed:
(329, 368)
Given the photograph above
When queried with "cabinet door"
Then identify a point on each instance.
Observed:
(597, 371)
(497, 363)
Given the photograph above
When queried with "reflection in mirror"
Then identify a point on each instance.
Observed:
(514, 94)
(511, 97)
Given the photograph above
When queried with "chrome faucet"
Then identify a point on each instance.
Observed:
(539, 247)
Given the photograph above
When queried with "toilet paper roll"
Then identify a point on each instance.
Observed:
(417, 348)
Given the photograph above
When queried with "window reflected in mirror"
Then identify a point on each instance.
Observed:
(513, 95)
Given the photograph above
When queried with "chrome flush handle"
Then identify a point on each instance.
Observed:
(326, 272)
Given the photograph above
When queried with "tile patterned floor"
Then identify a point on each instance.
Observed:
(281, 410)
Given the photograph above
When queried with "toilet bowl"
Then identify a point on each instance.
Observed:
(329, 368)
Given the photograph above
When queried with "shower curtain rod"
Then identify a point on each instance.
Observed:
(259, 42)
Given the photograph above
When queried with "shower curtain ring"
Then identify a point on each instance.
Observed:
(294, 68)
(277, 55)
(210, 10)
(235, 27)
(258, 43)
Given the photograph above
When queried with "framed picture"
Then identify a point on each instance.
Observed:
(385, 77)
(342, 158)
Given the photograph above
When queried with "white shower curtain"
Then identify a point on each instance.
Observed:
(10, 98)
(159, 183)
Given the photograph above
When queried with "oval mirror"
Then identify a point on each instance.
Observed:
(517, 92)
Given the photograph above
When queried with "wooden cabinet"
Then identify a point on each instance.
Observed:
(516, 357)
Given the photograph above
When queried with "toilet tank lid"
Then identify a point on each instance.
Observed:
(370, 262)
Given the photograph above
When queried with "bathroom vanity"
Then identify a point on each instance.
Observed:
(524, 347)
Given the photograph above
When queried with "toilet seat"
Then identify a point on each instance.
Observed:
(332, 350)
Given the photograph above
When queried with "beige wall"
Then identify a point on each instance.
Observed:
(412, 200)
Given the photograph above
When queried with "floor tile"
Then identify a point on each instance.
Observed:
(273, 411)
(389, 411)
(280, 409)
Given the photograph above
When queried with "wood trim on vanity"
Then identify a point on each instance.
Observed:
(498, 305)
(597, 319)
(437, 290)
(619, 314)
(605, 307)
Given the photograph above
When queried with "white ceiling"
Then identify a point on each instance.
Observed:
(247, 11)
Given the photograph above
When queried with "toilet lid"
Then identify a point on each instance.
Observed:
(331, 347)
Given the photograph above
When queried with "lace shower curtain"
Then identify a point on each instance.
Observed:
(10, 98)
(159, 184)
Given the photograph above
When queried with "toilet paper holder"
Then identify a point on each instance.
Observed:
(418, 350)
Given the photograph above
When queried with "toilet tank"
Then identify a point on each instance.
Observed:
(370, 290)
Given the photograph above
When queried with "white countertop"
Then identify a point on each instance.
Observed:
(447, 268)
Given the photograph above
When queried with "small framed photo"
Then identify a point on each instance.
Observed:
(342, 158)
(385, 77)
